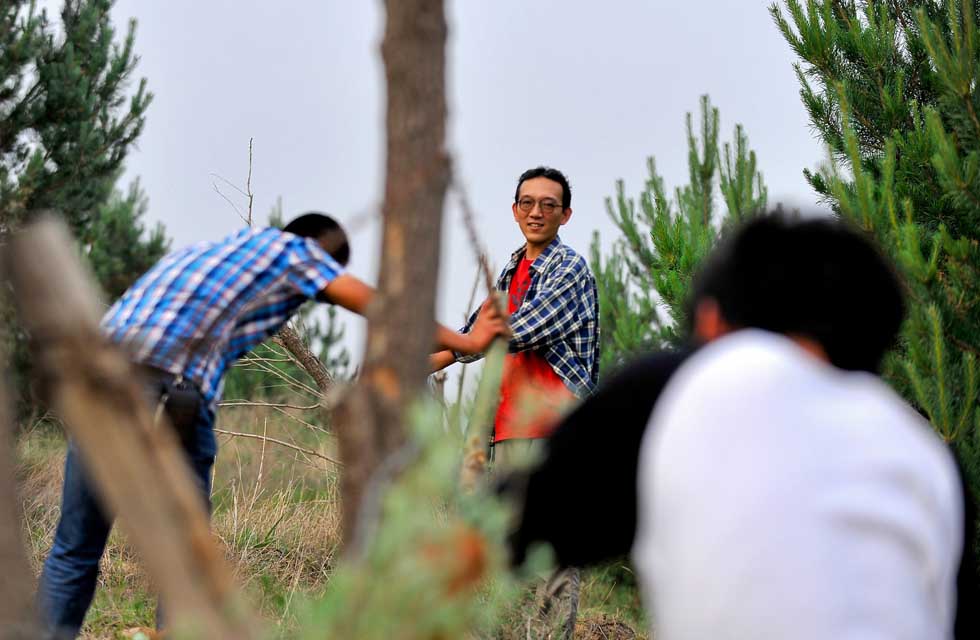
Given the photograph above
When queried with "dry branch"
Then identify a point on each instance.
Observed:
(136, 466)
(282, 443)
(291, 341)
(480, 427)
(469, 222)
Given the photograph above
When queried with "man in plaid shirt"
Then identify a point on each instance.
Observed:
(185, 322)
(554, 343)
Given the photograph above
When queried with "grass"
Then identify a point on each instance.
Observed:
(276, 514)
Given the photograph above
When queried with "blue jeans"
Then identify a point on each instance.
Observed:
(71, 570)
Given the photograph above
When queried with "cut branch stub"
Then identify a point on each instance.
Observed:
(292, 342)
(136, 466)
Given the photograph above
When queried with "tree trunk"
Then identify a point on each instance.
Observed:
(400, 323)
(17, 618)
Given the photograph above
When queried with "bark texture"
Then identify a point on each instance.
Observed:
(400, 325)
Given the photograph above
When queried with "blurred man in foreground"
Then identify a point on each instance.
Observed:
(784, 491)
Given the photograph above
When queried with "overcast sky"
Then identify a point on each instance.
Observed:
(590, 88)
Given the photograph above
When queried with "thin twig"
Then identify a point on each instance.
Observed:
(285, 377)
(229, 183)
(462, 373)
(227, 199)
(248, 182)
(309, 425)
(270, 405)
(309, 452)
(258, 478)
(255, 358)
(469, 221)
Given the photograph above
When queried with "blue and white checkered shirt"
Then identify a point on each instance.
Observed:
(201, 308)
(559, 315)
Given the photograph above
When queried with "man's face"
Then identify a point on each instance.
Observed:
(538, 210)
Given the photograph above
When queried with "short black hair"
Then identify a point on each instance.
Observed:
(550, 174)
(817, 277)
(326, 230)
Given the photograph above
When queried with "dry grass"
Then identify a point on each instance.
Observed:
(276, 514)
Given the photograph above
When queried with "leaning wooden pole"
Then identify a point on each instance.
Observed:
(371, 422)
(136, 466)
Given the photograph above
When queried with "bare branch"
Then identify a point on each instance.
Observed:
(228, 200)
(271, 405)
(248, 183)
(469, 221)
(282, 443)
(290, 339)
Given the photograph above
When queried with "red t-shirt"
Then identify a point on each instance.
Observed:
(532, 396)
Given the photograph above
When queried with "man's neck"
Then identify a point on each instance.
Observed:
(532, 251)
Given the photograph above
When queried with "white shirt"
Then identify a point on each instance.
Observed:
(780, 497)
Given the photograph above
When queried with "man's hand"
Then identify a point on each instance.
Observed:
(488, 325)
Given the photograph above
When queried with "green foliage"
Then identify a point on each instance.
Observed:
(643, 284)
(67, 122)
(433, 565)
(892, 89)
(120, 250)
(66, 125)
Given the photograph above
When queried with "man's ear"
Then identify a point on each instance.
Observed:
(565, 215)
(709, 323)
(513, 208)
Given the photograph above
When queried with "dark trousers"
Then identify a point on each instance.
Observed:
(71, 570)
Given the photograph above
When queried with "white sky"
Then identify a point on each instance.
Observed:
(590, 88)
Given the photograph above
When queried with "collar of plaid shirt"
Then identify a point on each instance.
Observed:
(551, 253)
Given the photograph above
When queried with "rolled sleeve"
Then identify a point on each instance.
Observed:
(312, 268)
(467, 358)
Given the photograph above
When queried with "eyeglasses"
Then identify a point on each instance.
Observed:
(547, 207)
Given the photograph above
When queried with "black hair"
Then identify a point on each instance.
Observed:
(550, 174)
(815, 277)
(324, 229)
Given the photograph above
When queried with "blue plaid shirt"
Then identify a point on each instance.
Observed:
(559, 315)
(201, 308)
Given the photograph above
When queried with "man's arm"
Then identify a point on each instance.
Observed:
(354, 295)
(441, 359)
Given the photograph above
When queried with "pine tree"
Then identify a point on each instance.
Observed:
(892, 89)
(643, 284)
(120, 248)
(67, 122)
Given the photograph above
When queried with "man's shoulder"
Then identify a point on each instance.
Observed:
(565, 258)
(739, 364)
